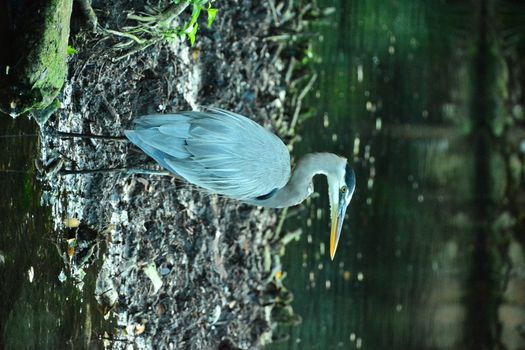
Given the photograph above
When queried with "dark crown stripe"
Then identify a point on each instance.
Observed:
(350, 177)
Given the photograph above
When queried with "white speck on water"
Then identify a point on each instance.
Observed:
(367, 152)
(368, 201)
(352, 337)
(31, 274)
(399, 307)
(321, 248)
(358, 343)
(360, 73)
(320, 266)
(62, 277)
(370, 183)
(420, 198)
(391, 50)
(378, 124)
(357, 141)
(360, 276)
(334, 137)
(326, 121)
(327, 284)
(309, 238)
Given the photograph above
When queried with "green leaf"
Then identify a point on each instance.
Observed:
(201, 3)
(212, 13)
(193, 33)
(195, 12)
(71, 50)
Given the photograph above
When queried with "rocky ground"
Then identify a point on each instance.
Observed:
(218, 260)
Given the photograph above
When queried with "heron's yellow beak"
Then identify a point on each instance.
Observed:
(338, 215)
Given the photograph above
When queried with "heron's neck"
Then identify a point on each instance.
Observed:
(299, 187)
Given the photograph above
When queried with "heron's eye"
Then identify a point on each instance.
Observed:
(344, 189)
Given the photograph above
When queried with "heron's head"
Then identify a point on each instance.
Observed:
(341, 185)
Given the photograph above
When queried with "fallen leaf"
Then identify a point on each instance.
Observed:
(70, 251)
(195, 53)
(106, 340)
(151, 271)
(161, 309)
(139, 329)
(71, 222)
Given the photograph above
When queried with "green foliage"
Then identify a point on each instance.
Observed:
(190, 29)
(155, 25)
(41, 56)
(71, 50)
(212, 13)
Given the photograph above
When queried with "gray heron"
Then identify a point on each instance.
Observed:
(231, 155)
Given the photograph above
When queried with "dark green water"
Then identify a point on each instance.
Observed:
(39, 312)
(415, 94)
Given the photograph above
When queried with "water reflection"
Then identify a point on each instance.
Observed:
(414, 93)
(36, 309)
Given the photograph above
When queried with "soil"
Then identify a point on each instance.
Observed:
(217, 259)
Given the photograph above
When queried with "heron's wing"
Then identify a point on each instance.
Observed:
(218, 150)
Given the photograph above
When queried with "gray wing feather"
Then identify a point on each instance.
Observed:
(218, 150)
(150, 151)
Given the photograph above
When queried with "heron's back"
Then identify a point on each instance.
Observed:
(218, 150)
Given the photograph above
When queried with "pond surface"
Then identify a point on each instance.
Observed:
(36, 309)
(414, 93)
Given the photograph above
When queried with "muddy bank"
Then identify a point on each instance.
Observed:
(180, 268)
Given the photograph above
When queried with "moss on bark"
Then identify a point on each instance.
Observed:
(37, 64)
